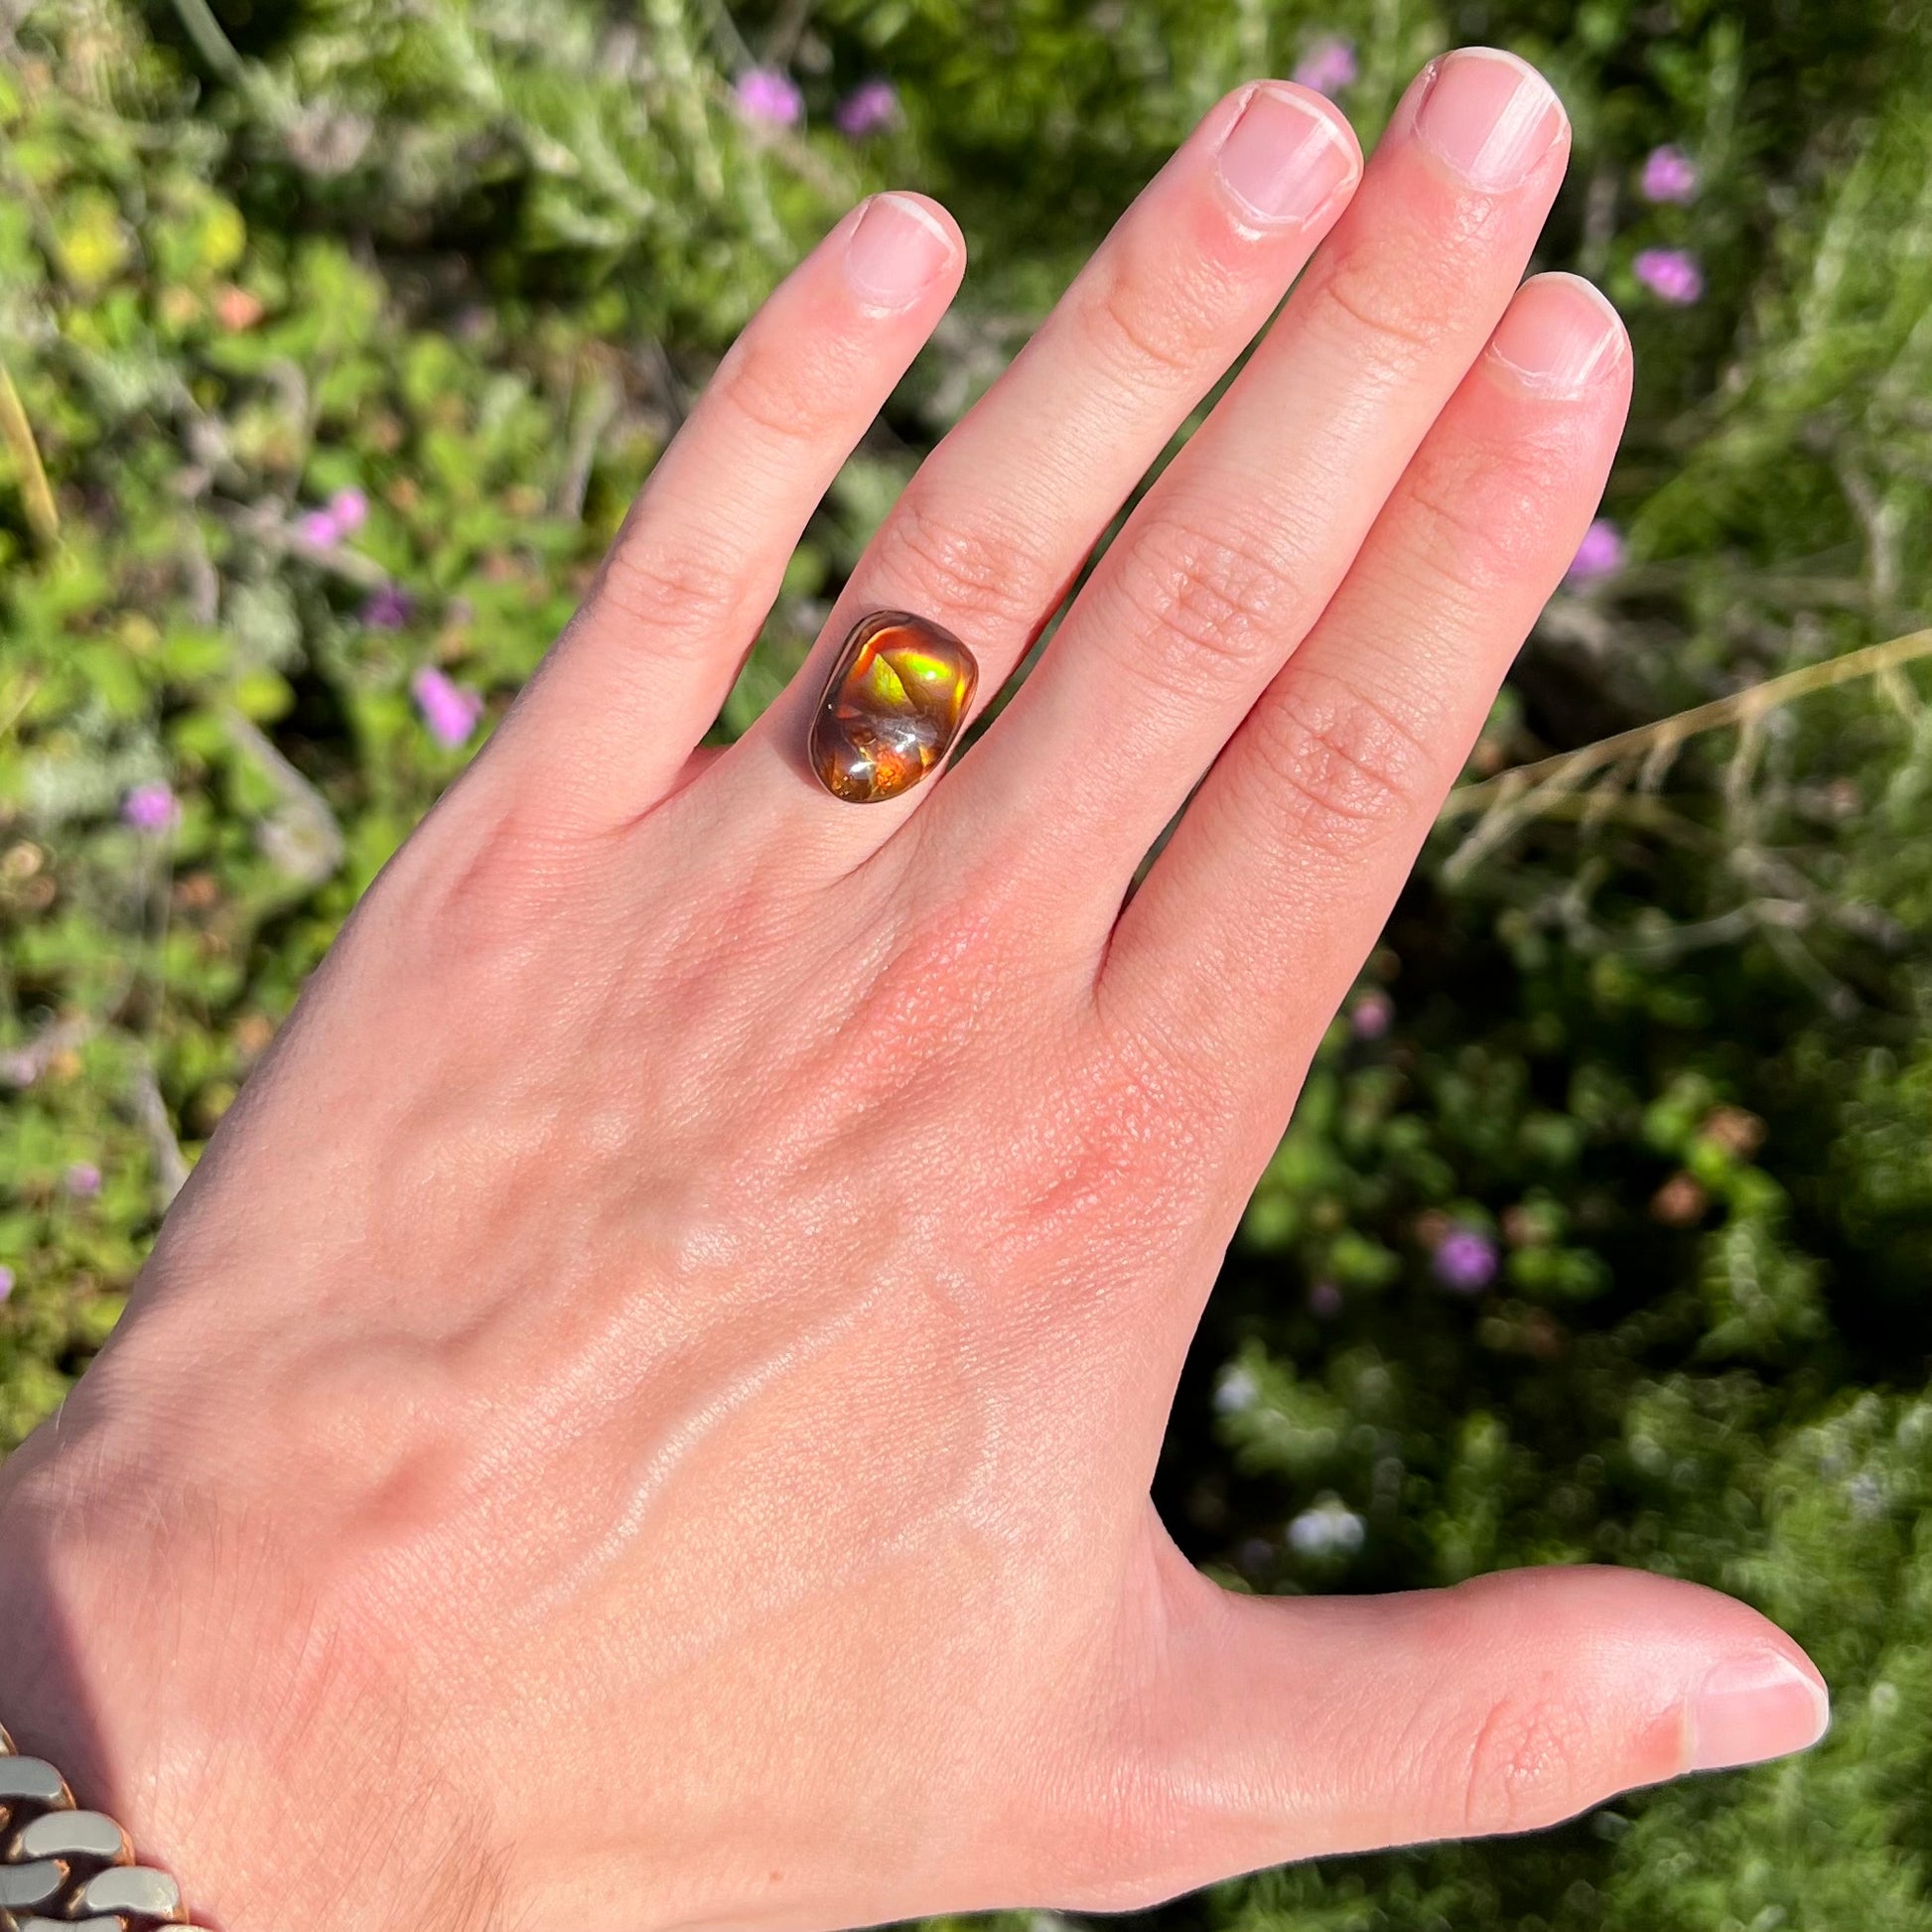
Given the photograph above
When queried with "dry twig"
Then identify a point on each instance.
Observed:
(1511, 799)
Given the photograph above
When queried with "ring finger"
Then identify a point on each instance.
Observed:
(999, 517)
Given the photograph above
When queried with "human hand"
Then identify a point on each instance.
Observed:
(646, 1413)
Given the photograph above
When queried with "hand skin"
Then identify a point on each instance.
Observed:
(645, 1415)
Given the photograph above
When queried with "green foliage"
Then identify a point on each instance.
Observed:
(1603, 1228)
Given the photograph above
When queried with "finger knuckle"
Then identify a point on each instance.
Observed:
(1527, 1764)
(680, 593)
(968, 563)
(1204, 603)
(1141, 330)
(1343, 770)
(785, 392)
(1128, 1140)
(1374, 292)
(1483, 518)
(471, 884)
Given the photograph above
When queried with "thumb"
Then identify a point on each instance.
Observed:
(1279, 1728)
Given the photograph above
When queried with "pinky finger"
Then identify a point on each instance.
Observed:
(606, 726)
(1254, 919)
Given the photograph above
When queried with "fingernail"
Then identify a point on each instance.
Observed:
(1559, 336)
(896, 251)
(1753, 1708)
(1489, 116)
(1285, 159)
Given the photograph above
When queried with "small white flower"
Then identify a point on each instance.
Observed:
(1329, 1528)
(1237, 1390)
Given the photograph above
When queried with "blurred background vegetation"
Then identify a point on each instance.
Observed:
(335, 334)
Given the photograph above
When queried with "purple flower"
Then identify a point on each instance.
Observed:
(6, 1282)
(866, 109)
(768, 98)
(1324, 1301)
(1372, 1016)
(1672, 274)
(1601, 554)
(1670, 174)
(150, 808)
(1466, 1261)
(344, 513)
(450, 710)
(349, 509)
(388, 608)
(1328, 65)
(82, 1181)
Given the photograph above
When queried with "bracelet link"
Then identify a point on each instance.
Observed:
(66, 1870)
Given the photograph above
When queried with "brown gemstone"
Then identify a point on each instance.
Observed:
(892, 707)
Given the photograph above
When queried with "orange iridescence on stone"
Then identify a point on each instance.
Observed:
(892, 707)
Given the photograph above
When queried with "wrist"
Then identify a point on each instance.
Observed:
(157, 1655)
(84, 1677)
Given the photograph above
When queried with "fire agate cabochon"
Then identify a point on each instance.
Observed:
(892, 708)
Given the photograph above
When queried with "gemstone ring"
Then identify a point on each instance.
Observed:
(892, 708)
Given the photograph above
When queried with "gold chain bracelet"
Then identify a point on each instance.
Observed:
(63, 1870)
